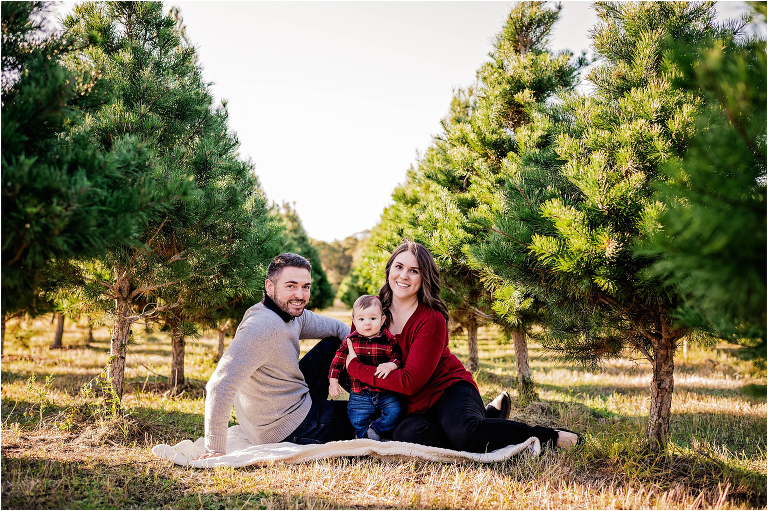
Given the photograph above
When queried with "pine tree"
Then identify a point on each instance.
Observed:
(576, 241)
(151, 87)
(481, 154)
(522, 95)
(441, 209)
(63, 198)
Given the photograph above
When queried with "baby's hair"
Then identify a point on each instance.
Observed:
(367, 301)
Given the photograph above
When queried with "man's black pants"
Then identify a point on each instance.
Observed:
(327, 420)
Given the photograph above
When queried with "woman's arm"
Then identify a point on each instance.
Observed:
(418, 367)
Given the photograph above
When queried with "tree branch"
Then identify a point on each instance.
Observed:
(145, 314)
(146, 289)
(508, 236)
(137, 252)
(639, 347)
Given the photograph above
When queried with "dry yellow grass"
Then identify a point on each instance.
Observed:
(717, 456)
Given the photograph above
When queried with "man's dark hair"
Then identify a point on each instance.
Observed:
(285, 260)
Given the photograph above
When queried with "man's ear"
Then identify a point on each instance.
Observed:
(269, 286)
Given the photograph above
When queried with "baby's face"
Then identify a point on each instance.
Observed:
(368, 321)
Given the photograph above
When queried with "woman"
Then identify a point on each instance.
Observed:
(443, 406)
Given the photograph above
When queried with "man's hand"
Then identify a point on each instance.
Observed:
(383, 370)
(334, 389)
(208, 454)
(351, 353)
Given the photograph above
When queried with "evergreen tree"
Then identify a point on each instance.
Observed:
(299, 243)
(595, 203)
(478, 153)
(151, 87)
(63, 198)
(446, 180)
(520, 80)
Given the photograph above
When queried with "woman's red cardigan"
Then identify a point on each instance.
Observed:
(429, 366)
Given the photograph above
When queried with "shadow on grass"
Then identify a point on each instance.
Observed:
(738, 434)
(596, 390)
(69, 383)
(754, 390)
(741, 435)
(501, 380)
(32, 482)
(699, 472)
(159, 384)
(138, 426)
(26, 413)
(136, 350)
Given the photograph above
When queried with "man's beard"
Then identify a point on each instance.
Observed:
(286, 308)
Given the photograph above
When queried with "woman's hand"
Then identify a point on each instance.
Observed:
(384, 369)
(351, 353)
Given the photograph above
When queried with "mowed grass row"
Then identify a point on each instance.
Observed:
(62, 449)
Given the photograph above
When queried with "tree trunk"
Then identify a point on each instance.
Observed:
(119, 343)
(662, 386)
(90, 332)
(57, 338)
(177, 351)
(474, 360)
(220, 347)
(525, 389)
(2, 342)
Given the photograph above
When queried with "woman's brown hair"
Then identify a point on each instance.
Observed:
(429, 292)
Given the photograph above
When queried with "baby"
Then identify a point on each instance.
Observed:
(374, 346)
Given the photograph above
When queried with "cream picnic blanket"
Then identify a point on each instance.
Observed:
(240, 452)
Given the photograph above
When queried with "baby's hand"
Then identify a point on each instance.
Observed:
(334, 389)
(384, 369)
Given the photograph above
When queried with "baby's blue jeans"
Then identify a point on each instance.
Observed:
(363, 407)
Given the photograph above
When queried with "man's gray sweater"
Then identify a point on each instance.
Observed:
(259, 373)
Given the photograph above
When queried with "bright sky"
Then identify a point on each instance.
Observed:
(332, 101)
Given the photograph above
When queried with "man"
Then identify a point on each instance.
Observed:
(277, 397)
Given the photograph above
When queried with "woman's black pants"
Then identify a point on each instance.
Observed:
(457, 421)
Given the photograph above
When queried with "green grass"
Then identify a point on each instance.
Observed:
(61, 449)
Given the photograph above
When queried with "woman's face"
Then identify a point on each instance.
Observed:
(405, 276)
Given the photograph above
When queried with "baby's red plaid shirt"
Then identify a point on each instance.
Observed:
(371, 351)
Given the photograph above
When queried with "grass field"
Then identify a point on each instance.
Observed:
(62, 449)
